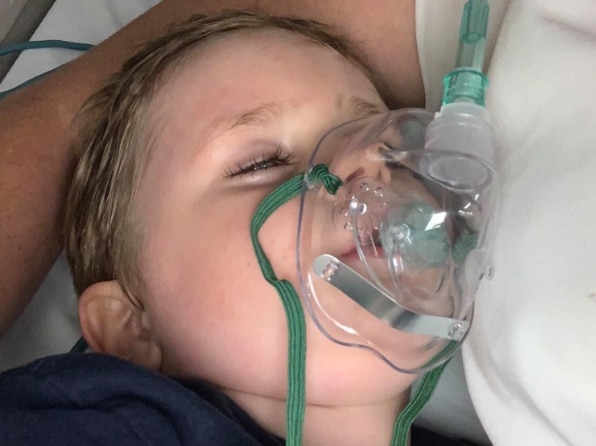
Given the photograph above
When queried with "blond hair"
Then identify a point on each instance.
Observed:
(102, 235)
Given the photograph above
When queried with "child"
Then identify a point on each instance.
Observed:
(176, 153)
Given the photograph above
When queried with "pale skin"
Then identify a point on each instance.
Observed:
(206, 311)
(35, 166)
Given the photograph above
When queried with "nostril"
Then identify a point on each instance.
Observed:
(355, 174)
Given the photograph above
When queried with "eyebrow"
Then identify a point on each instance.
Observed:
(262, 115)
(267, 113)
(362, 108)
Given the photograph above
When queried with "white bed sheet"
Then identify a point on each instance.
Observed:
(49, 325)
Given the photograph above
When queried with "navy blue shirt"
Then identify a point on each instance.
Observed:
(90, 399)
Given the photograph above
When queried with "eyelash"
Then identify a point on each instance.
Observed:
(278, 158)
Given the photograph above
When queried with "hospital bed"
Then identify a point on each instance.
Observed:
(49, 325)
(18, 20)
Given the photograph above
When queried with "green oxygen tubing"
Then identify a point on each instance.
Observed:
(36, 45)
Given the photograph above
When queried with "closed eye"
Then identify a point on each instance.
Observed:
(279, 158)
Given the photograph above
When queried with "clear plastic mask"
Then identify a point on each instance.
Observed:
(391, 261)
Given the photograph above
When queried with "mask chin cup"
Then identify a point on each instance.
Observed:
(391, 261)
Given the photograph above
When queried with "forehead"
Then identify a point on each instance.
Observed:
(222, 79)
(264, 65)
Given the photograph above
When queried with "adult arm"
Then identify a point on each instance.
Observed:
(35, 162)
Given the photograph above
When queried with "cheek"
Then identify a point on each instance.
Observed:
(211, 309)
(278, 239)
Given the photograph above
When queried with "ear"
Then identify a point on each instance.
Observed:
(111, 323)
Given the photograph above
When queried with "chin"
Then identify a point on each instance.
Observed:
(353, 377)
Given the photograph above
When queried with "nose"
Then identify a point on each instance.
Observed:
(365, 162)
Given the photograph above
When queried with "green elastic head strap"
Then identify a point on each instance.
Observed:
(296, 402)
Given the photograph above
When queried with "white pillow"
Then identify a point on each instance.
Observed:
(531, 357)
(49, 325)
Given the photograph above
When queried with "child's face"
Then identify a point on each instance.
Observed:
(235, 121)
